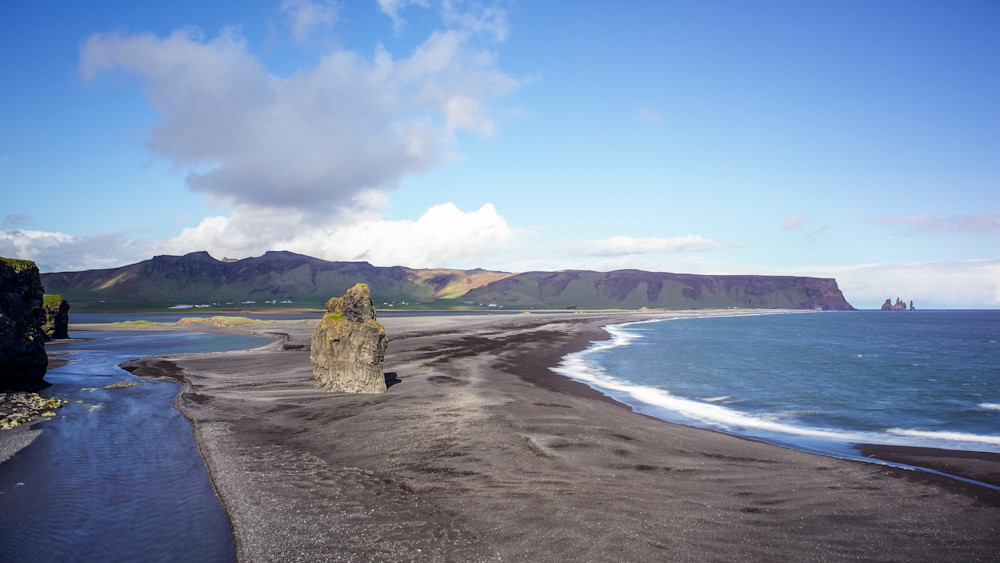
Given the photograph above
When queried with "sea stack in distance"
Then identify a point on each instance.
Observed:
(56, 309)
(348, 345)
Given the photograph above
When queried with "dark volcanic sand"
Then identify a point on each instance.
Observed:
(479, 452)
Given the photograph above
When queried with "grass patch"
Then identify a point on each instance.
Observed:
(119, 324)
(17, 264)
(217, 322)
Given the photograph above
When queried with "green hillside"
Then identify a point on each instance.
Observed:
(286, 279)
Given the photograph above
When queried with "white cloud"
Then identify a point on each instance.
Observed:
(313, 141)
(960, 284)
(304, 16)
(623, 245)
(973, 223)
(58, 252)
(443, 236)
(491, 19)
(392, 8)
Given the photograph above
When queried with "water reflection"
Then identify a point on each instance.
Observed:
(116, 476)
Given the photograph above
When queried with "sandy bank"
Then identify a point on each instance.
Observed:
(480, 452)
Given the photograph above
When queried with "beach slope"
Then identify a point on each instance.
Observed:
(479, 452)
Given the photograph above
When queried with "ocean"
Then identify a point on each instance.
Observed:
(819, 382)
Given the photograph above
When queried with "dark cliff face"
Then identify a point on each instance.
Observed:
(22, 342)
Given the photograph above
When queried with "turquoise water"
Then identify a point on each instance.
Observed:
(820, 382)
(116, 476)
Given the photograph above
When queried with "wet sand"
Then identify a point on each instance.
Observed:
(479, 452)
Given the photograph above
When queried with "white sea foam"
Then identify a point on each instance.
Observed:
(716, 399)
(577, 366)
(949, 436)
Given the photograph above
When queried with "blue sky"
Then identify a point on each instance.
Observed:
(856, 140)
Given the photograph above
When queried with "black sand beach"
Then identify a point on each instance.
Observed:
(479, 452)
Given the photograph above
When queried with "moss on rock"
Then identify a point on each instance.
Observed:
(348, 345)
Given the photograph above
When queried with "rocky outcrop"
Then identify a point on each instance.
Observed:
(56, 323)
(898, 306)
(348, 345)
(22, 342)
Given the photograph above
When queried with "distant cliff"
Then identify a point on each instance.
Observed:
(198, 278)
(633, 289)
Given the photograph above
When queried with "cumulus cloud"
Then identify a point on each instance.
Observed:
(443, 236)
(60, 252)
(973, 223)
(312, 141)
(624, 245)
(304, 16)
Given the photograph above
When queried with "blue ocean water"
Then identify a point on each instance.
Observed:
(820, 382)
(116, 476)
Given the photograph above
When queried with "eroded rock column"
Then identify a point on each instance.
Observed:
(348, 345)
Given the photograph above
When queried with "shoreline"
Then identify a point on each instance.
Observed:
(970, 469)
(485, 450)
(964, 470)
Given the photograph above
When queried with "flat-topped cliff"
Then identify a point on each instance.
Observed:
(289, 278)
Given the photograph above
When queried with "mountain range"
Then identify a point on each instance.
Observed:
(287, 279)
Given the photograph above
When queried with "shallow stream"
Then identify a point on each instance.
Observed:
(116, 476)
